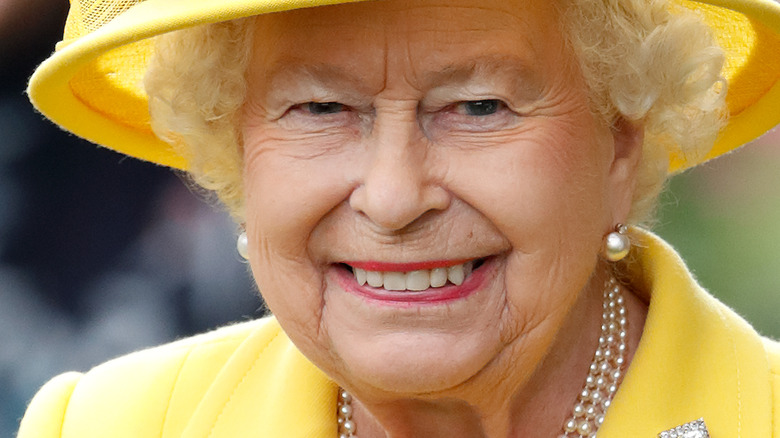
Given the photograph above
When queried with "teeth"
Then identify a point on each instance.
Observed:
(414, 280)
(417, 280)
(395, 280)
(375, 279)
(456, 275)
(438, 277)
(360, 276)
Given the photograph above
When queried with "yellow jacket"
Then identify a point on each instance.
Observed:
(696, 359)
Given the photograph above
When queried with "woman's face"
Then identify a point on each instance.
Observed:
(399, 142)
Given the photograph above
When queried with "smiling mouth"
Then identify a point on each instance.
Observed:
(414, 280)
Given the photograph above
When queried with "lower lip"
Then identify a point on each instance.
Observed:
(433, 295)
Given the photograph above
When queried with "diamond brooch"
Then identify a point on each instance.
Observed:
(693, 429)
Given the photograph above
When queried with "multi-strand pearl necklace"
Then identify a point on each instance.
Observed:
(606, 369)
(604, 375)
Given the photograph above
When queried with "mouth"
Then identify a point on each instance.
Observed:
(433, 281)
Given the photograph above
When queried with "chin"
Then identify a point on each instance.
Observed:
(413, 362)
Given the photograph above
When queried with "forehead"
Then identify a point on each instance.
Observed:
(422, 41)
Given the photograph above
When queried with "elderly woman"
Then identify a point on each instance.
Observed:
(433, 196)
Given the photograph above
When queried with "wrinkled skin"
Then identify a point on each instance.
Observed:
(444, 131)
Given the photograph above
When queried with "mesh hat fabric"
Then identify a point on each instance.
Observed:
(92, 84)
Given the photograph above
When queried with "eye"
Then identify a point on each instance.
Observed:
(469, 116)
(322, 108)
(315, 116)
(479, 108)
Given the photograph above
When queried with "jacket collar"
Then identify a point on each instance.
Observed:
(266, 389)
(696, 359)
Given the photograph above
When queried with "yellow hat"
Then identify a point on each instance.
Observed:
(92, 84)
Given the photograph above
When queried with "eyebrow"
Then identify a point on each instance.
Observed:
(516, 71)
(322, 74)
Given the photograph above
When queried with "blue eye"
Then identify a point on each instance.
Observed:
(321, 108)
(479, 108)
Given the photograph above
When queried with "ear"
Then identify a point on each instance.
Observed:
(628, 140)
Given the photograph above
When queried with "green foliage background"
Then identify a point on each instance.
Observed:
(724, 219)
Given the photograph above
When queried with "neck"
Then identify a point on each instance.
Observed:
(530, 404)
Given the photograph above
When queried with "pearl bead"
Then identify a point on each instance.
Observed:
(570, 426)
(346, 410)
(349, 426)
(584, 428)
(616, 246)
(242, 245)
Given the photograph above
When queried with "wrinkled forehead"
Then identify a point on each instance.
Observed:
(423, 41)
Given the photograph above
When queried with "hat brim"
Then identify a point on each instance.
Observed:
(91, 86)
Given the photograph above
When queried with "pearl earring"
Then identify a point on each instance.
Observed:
(616, 244)
(242, 245)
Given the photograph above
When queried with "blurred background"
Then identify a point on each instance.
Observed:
(101, 255)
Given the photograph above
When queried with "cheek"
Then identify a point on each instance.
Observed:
(287, 197)
(542, 180)
(290, 191)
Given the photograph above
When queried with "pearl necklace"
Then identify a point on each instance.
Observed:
(346, 424)
(606, 370)
(604, 375)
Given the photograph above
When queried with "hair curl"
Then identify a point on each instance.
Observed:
(645, 61)
(196, 87)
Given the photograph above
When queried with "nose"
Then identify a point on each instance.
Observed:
(398, 184)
